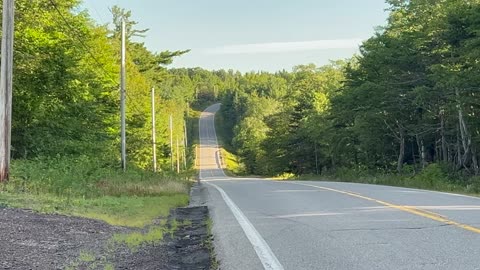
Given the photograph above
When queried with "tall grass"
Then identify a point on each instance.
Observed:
(87, 187)
(89, 178)
(232, 164)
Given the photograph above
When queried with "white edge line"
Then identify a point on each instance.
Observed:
(264, 253)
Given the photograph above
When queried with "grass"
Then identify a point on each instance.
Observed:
(434, 177)
(134, 240)
(231, 163)
(154, 234)
(87, 188)
(86, 260)
(120, 211)
(90, 188)
(209, 244)
(86, 256)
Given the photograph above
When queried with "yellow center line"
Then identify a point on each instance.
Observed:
(409, 209)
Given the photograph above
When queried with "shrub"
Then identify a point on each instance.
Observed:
(433, 175)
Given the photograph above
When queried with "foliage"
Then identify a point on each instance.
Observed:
(66, 99)
(65, 125)
(407, 104)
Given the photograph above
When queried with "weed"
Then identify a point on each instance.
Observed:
(86, 256)
(209, 245)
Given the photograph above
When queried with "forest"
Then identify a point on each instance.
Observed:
(406, 105)
(66, 118)
(404, 111)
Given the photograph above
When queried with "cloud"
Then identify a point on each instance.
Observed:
(281, 47)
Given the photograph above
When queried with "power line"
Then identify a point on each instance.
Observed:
(100, 17)
(136, 107)
(87, 48)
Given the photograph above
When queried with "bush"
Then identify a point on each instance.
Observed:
(433, 175)
(474, 185)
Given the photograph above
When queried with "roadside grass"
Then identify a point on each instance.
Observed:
(231, 163)
(152, 235)
(88, 188)
(86, 256)
(434, 177)
(209, 244)
(134, 240)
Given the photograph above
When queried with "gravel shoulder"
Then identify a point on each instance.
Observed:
(30, 240)
(189, 247)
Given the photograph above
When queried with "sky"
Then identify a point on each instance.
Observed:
(251, 35)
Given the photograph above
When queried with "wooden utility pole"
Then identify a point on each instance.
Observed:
(6, 78)
(178, 156)
(171, 141)
(185, 144)
(185, 133)
(123, 83)
(184, 153)
(154, 133)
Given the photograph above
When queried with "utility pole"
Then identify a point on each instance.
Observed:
(185, 144)
(185, 133)
(6, 80)
(123, 83)
(184, 152)
(154, 133)
(178, 156)
(171, 142)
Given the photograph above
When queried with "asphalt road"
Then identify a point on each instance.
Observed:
(264, 224)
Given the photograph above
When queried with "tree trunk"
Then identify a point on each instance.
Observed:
(414, 158)
(459, 152)
(444, 140)
(424, 162)
(466, 138)
(401, 154)
(474, 161)
(421, 151)
(466, 141)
